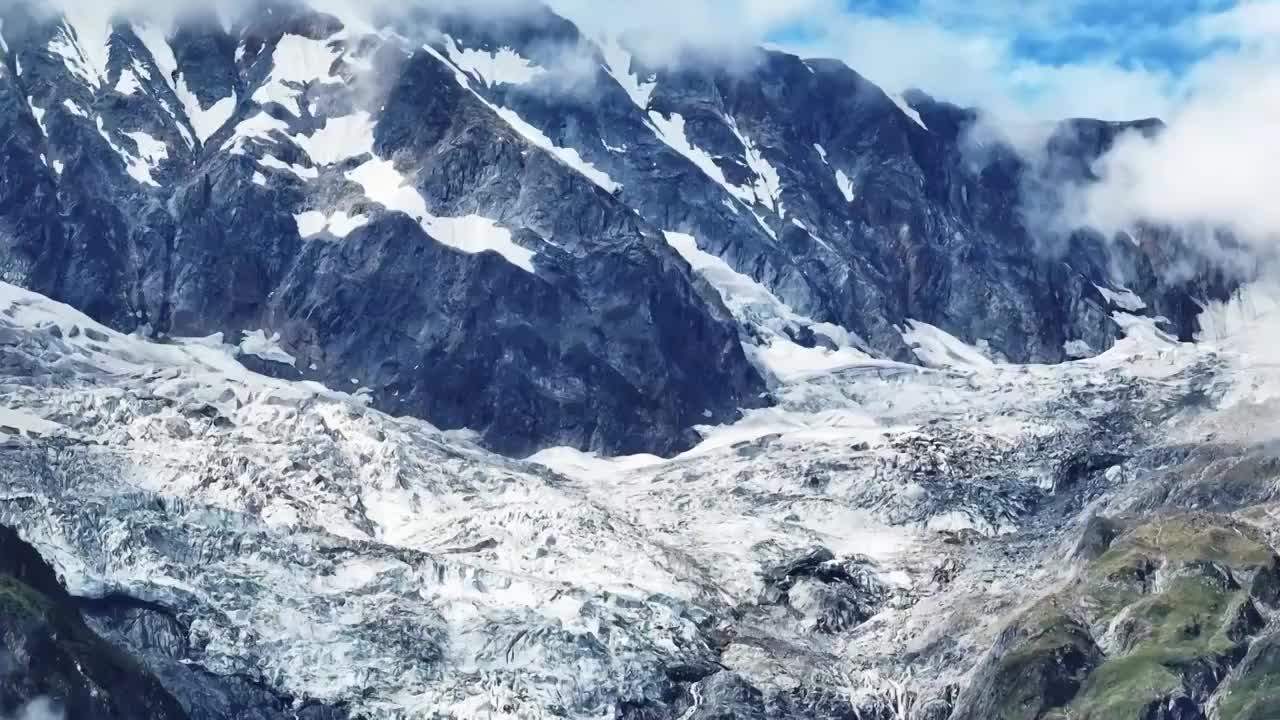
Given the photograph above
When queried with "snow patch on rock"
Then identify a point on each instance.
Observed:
(83, 41)
(939, 349)
(338, 223)
(204, 121)
(503, 66)
(1124, 298)
(275, 163)
(755, 306)
(568, 156)
(846, 186)
(384, 184)
(296, 62)
(907, 110)
(259, 344)
(339, 138)
(619, 64)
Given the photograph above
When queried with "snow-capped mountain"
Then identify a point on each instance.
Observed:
(465, 366)
(474, 218)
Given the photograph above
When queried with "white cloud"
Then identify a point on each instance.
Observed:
(1217, 164)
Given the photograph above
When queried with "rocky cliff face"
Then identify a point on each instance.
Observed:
(473, 218)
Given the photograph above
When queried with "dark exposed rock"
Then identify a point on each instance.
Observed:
(48, 653)
(837, 595)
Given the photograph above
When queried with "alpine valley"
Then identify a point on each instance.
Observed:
(433, 363)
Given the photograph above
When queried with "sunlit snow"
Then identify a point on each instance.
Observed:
(846, 185)
(619, 64)
(568, 156)
(267, 347)
(1124, 298)
(339, 223)
(83, 41)
(937, 348)
(907, 110)
(385, 185)
(339, 138)
(503, 66)
(754, 305)
(296, 61)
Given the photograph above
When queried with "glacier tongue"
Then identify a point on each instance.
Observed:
(343, 555)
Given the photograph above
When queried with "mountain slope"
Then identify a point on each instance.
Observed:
(470, 217)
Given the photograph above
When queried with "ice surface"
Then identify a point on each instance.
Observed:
(28, 424)
(753, 305)
(382, 563)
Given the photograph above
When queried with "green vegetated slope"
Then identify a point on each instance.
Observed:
(1165, 620)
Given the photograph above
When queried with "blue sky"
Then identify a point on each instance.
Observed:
(1128, 31)
(1038, 56)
